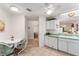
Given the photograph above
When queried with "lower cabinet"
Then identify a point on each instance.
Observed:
(51, 42)
(73, 47)
(54, 42)
(62, 44)
(46, 40)
(69, 46)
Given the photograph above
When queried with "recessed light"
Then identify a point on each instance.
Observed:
(50, 6)
(49, 9)
(14, 9)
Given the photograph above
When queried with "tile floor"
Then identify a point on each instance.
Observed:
(33, 50)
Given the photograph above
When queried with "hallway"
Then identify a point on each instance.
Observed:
(33, 43)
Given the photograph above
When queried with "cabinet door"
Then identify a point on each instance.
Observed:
(62, 44)
(54, 42)
(46, 40)
(51, 42)
(73, 47)
(51, 24)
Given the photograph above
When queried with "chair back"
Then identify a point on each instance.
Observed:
(21, 44)
(5, 50)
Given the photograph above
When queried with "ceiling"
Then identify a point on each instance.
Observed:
(74, 20)
(39, 8)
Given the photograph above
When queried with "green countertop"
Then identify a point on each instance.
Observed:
(75, 37)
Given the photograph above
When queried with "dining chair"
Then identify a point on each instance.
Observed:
(20, 47)
(5, 50)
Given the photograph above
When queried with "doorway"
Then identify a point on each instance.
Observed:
(33, 32)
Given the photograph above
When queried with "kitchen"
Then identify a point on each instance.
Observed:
(54, 26)
(63, 34)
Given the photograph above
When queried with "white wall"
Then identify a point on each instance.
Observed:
(18, 26)
(30, 29)
(14, 24)
(4, 16)
(42, 30)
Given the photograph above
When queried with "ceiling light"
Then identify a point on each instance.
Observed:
(70, 14)
(49, 12)
(14, 9)
(49, 9)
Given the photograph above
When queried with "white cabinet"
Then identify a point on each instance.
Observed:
(51, 24)
(67, 45)
(46, 40)
(73, 47)
(54, 40)
(51, 42)
(62, 44)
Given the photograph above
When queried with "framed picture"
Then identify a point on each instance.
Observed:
(2, 26)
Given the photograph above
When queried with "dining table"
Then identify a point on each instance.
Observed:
(9, 42)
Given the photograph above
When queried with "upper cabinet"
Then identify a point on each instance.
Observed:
(51, 24)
